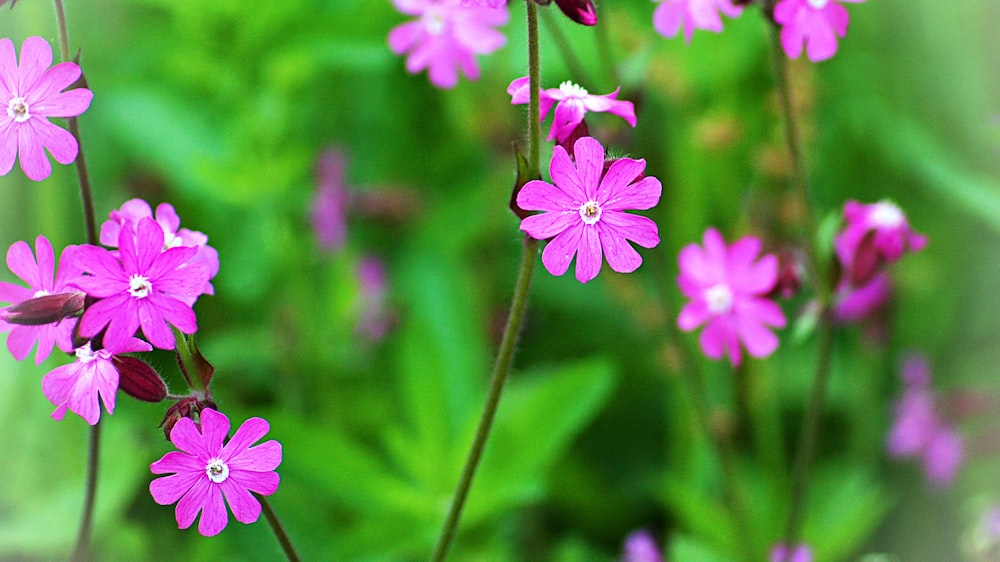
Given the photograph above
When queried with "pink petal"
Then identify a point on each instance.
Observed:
(537, 195)
(758, 339)
(547, 225)
(567, 117)
(20, 341)
(639, 229)
(34, 163)
(245, 508)
(620, 174)
(170, 489)
(186, 437)
(565, 175)
(193, 501)
(589, 164)
(265, 483)
(262, 458)
(644, 194)
(717, 338)
(59, 142)
(693, 314)
(213, 515)
(53, 81)
(404, 36)
(21, 262)
(66, 104)
(8, 69)
(608, 103)
(8, 144)
(179, 462)
(620, 255)
(668, 17)
(588, 256)
(153, 325)
(559, 252)
(248, 433)
(214, 429)
(821, 42)
(36, 58)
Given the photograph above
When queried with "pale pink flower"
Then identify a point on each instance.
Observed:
(30, 93)
(375, 319)
(584, 210)
(77, 386)
(815, 23)
(207, 468)
(728, 288)
(39, 277)
(572, 104)
(330, 202)
(781, 553)
(671, 15)
(445, 37)
(173, 236)
(640, 547)
(148, 287)
(486, 3)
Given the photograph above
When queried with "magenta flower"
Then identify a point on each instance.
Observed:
(204, 471)
(134, 210)
(781, 553)
(486, 3)
(640, 547)
(330, 202)
(874, 235)
(77, 386)
(572, 103)
(584, 211)
(445, 38)
(39, 277)
(728, 288)
(32, 92)
(149, 287)
(816, 23)
(671, 15)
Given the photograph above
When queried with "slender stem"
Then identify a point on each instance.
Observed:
(86, 521)
(279, 530)
(573, 64)
(518, 305)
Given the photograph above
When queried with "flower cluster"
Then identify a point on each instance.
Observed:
(918, 430)
(572, 104)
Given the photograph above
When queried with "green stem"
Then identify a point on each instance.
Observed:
(573, 64)
(87, 519)
(518, 305)
(279, 530)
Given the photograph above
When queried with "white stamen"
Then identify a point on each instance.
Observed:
(818, 4)
(217, 471)
(590, 212)
(17, 110)
(84, 354)
(719, 298)
(40, 293)
(434, 22)
(571, 90)
(887, 215)
(139, 286)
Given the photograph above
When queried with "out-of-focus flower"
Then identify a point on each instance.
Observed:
(147, 288)
(207, 468)
(917, 429)
(31, 93)
(640, 547)
(671, 15)
(728, 287)
(584, 210)
(572, 104)
(134, 210)
(486, 3)
(94, 373)
(330, 202)
(445, 37)
(781, 553)
(374, 321)
(39, 277)
(815, 23)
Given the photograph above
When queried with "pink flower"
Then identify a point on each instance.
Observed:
(446, 37)
(486, 3)
(76, 386)
(573, 103)
(584, 211)
(330, 202)
(204, 471)
(31, 92)
(640, 547)
(148, 288)
(670, 15)
(134, 210)
(801, 553)
(817, 23)
(728, 288)
(874, 235)
(375, 318)
(38, 276)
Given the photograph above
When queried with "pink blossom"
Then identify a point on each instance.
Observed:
(374, 321)
(148, 287)
(640, 547)
(816, 23)
(77, 386)
(486, 3)
(671, 15)
(584, 211)
(801, 553)
(728, 288)
(852, 304)
(330, 202)
(874, 234)
(205, 470)
(173, 236)
(445, 37)
(39, 277)
(572, 104)
(31, 92)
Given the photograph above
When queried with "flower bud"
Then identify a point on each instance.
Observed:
(580, 11)
(140, 381)
(187, 407)
(47, 309)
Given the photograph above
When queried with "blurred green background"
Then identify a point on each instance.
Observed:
(222, 109)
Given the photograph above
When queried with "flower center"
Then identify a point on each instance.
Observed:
(719, 298)
(818, 4)
(85, 354)
(139, 286)
(434, 21)
(40, 293)
(17, 110)
(590, 212)
(217, 471)
(887, 215)
(572, 90)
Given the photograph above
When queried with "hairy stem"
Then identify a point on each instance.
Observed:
(279, 530)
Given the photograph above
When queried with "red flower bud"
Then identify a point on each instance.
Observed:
(140, 381)
(580, 11)
(42, 310)
(187, 407)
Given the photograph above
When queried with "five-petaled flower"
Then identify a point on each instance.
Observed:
(815, 23)
(572, 104)
(207, 468)
(728, 287)
(77, 386)
(39, 277)
(147, 287)
(671, 15)
(446, 37)
(584, 211)
(29, 94)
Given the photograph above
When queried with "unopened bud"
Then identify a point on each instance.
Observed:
(187, 407)
(140, 381)
(867, 261)
(580, 11)
(791, 270)
(47, 309)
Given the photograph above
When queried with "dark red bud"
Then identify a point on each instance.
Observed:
(187, 407)
(791, 270)
(47, 309)
(580, 11)
(140, 381)
(867, 261)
